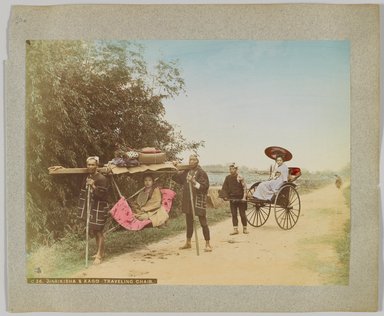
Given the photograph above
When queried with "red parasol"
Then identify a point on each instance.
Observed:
(275, 151)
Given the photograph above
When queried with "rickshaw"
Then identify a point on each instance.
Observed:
(285, 202)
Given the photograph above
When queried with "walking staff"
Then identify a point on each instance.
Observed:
(194, 218)
(94, 208)
(195, 184)
(87, 223)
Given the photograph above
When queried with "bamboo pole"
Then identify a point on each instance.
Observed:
(116, 187)
(87, 225)
(120, 196)
(194, 220)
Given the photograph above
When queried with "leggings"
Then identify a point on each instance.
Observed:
(242, 206)
(203, 223)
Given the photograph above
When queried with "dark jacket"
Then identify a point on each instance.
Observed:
(232, 188)
(199, 195)
(100, 193)
(98, 203)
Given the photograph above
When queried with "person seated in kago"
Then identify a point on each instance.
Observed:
(148, 204)
(265, 190)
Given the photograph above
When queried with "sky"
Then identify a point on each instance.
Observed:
(243, 96)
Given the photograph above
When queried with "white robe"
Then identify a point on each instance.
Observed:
(265, 190)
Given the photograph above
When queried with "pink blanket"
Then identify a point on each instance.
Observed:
(123, 214)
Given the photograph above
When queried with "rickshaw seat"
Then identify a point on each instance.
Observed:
(293, 173)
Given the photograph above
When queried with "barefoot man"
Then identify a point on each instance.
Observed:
(200, 184)
(98, 184)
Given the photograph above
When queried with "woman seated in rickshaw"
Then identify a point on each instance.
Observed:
(265, 190)
(148, 204)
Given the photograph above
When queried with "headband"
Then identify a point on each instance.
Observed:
(96, 158)
(195, 156)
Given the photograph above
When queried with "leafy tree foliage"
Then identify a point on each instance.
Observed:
(83, 98)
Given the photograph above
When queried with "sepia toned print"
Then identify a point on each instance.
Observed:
(118, 104)
(232, 89)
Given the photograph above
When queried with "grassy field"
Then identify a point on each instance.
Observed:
(343, 244)
(335, 274)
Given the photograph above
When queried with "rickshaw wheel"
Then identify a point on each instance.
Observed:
(257, 213)
(287, 207)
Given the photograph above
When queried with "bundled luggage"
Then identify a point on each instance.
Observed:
(149, 155)
(132, 158)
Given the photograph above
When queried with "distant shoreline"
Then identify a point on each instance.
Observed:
(242, 170)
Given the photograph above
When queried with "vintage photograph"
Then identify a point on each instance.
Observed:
(188, 162)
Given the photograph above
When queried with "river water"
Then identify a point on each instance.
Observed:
(217, 179)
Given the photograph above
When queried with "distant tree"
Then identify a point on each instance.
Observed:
(83, 98)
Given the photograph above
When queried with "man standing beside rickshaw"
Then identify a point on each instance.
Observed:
(234, 189)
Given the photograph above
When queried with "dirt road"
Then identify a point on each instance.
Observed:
(268, 255)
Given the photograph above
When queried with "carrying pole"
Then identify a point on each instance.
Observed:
(117, 188)
(87, 225)
(194, 219)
